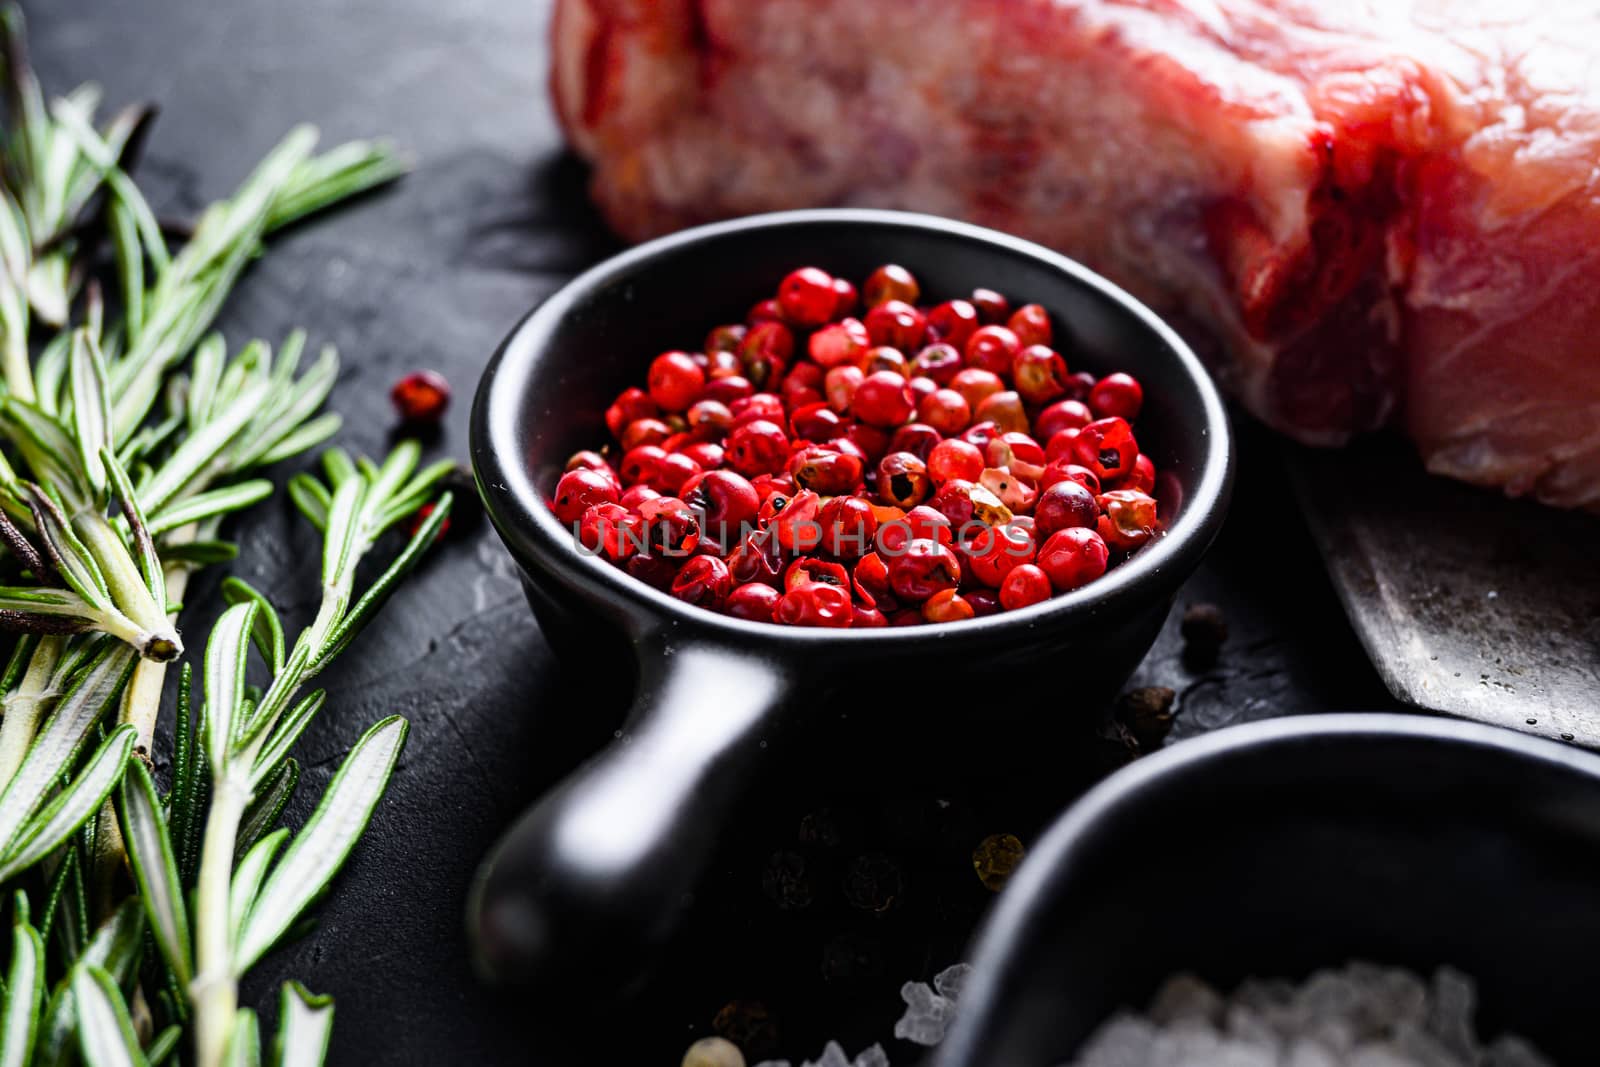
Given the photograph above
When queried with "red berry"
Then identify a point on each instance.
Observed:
(579, 490)
(815, 604)
(675, 380)
(631, 404)
(587, 460)
(1040, 374)
(728, 503)
(976, 385)
(1117, 394)
(816, 422)
(844, 298)
(954, 459)
(756, 559)
(1004, 409)
(945, 410)
(612, 531)
(673, 471)
(1129, 520)
(759, 406)
(897, 324)
(849, 526)
(725, 338)
(758, 447)
(840, 387)
(947, 605)
(1024, 586)
(656, 571)
(884, 399)
(1060, 470)
(807, 297)
(709, 420)
(954, 501)
(1061, 446)
(993, 308)
(644, 432)
(1142, 477)
(980, 434)
(1031, 324)
(635, 495)
(765, 352)
(998, 550)
(705, 453)
(703, 580)
(840, 344)
(752, 601)
(872, 440)
(941, 362)
(870, 578)
(670, 527)
(993, 348)
(921, 569)
(1062, 415)
(1080, 385)
(883, 357)
(903, 479)
(890, 282)
(796, 523)
(918, 438)
(1106, 447)
(809, 569)
(868, 619)
(825, 470)
(729, 390)
(768, 310)
(1017, 452)
(1064, 505)
(953, 321)
(421, 396)
(1073, 558)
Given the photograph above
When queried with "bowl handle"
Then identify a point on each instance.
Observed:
(586, 887)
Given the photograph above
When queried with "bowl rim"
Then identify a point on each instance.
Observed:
(530, 530)
(1003, 934)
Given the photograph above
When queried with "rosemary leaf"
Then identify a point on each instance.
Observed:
(155, 867)
(320, 849)
(24, 993)
(105, 1032)
(305, 1027)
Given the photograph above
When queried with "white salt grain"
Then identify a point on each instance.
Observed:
(1363, 1015)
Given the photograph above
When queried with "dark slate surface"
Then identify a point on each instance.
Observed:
(432, 274)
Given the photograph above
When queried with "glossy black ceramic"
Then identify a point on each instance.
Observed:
(590, 882)
(1281, 847)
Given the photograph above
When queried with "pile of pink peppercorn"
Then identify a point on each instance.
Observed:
(854, 458)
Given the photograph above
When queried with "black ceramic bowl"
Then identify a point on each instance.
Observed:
(1282, 847)
(591, 881)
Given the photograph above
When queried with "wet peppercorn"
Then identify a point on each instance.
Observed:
(421, 396)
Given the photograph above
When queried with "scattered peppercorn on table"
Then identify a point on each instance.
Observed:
(840, 881)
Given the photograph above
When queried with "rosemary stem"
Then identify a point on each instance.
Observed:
(18, 366)
(142, 703)
(215, 990)
(23, 707)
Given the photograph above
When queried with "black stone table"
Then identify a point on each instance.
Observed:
(876, 878)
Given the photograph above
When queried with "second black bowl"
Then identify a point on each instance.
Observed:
(1284, 847)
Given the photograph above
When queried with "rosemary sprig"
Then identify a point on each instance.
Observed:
(127, 436)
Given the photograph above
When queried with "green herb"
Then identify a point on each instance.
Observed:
(128, 434)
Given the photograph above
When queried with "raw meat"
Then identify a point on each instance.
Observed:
(1364, 213)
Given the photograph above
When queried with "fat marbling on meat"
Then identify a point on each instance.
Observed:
(1365, 212)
